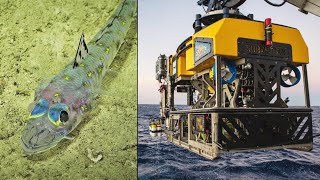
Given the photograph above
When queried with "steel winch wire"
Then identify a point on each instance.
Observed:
(277, 5)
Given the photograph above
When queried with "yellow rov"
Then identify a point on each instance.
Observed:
(232, 70)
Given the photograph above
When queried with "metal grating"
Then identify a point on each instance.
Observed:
(264, 130)
(266, 83)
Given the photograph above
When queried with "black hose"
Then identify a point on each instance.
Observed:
(277, 5)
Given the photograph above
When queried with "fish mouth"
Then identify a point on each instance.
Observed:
(38, 137)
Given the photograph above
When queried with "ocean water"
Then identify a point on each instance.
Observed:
(159, 159)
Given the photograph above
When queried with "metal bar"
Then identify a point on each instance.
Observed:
(183, 50)
(208, 101)
(303, 128)
(195, 84)
(229, 131)
(204, 91)
(168, 84)
(190, 96)
(244, 110)
(215, 134)
(237, 127)
(218, 81)
(189, 127)
(296, 126)
(171, 124)
(210, 5)
(206, 80)
(184, 43)
(225, 140)
(306, 85)
(180, 128)
(172, 97)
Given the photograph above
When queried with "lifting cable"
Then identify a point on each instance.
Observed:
(277, 5)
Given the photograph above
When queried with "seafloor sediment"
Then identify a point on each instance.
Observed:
(38, 39)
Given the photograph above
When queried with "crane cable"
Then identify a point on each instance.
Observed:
(277, 5)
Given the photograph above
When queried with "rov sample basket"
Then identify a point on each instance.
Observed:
(241, 129)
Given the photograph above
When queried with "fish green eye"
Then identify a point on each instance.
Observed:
(58, 114)
(40, 109)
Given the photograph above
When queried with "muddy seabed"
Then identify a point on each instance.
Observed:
(38, 39)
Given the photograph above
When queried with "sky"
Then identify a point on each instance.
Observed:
(164, 24)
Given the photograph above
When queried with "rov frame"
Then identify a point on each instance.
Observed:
(243, 129)
(225, 126)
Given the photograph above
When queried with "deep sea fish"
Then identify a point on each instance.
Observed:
(59, 106)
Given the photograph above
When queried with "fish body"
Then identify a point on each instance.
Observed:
(60, 106)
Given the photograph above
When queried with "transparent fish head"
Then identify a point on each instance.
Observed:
(47, 126)
(38, 136)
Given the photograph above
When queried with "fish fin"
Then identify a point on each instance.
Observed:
(110, 74)
(69, 137)
(82, 52)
